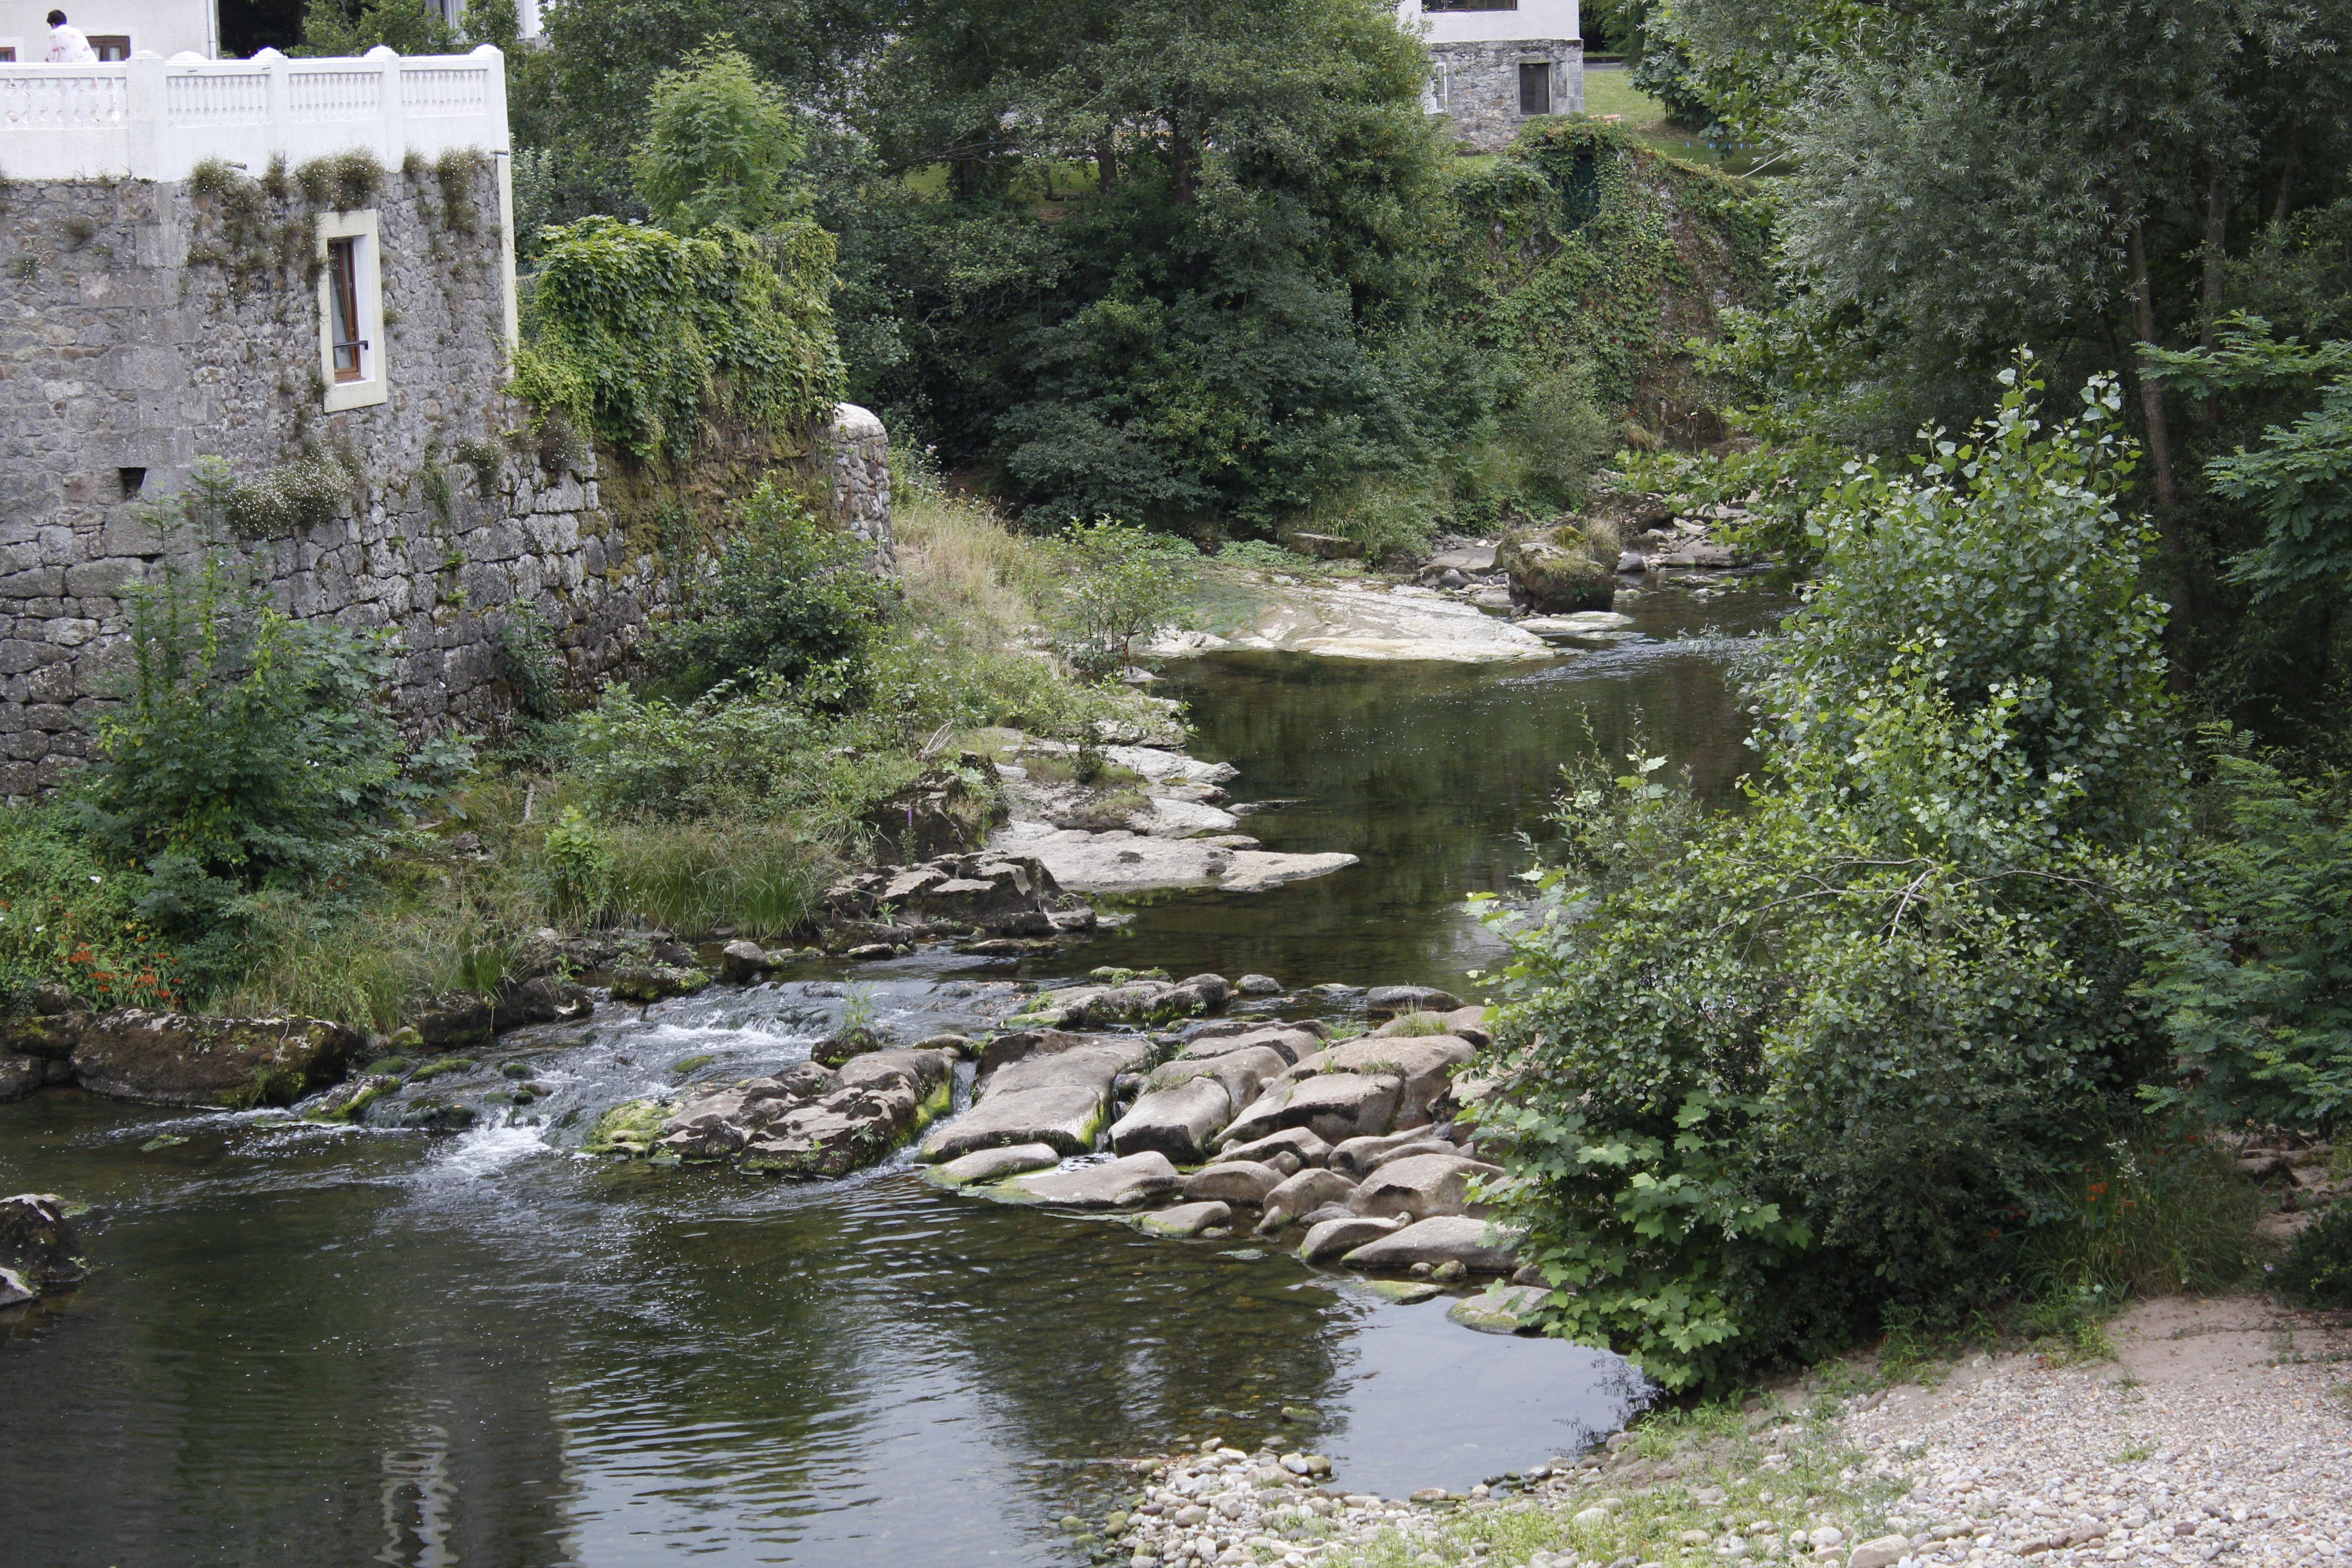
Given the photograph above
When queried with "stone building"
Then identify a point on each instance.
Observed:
(305, 269)
(1496, 64)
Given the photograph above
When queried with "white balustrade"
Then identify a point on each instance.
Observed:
(149, 118)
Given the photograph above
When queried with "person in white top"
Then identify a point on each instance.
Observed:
(68, 46)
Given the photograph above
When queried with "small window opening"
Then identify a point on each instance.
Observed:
(1535, 88)
(110, 46)
(133, 481)
(344, 276)
(7, 54)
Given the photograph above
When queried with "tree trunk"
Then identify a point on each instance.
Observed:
(2286, 182)
(2151, 391)
(1106, 162)
(2216, 236)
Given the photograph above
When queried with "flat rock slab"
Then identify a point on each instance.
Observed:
(1404, 1292)
(1334, 1106)
(1370, 623)
(1113, 1184)
(173, 1059)
(1505, 1310)
(1449, 1238)
(1185, 1219)
(1060, 1098)
(1084, 862)
(1177, 1121)
(1423, 1063)
(1582, 624)
(1336, 1238)
(1298, 1142)
(994, 1164)
(1306, 1192)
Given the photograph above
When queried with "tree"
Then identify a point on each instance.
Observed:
(1123, 585)
(1767, 1072)
(720, 147)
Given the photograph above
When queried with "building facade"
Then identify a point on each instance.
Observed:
(304, 269)
(1497, 64)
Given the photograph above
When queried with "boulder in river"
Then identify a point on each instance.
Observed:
(20, 1075)
(656, 982)
(1424, 1064)
(1304, 1194)
(451, 1021)
(1446, 1239)
(1357, 1156)
(173, 1059)
(37, 1240)
(1420, 1186)
(1300, 1143)
(1388, 1001)
(811, 1119)
(1008, 895)
(1047, 1087)
(1233, 1181)
(1178, 1120)
(1291, 1044)
(994, 1164)
(1333, 1106)
(1553, 570)
(541, 999)
(1258, 985)
(1500, 1309)
(1331, 1238)
(1185, 1219)
(1123, 1183)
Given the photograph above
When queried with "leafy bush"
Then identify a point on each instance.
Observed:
(1770, 1072)
(793, 600)
(2251, 964)
(641, 337)
(721, 146)
(249, 749)
(1123, 584)
(2317, 1270)
(727, 751)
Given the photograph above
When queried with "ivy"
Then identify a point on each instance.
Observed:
(646, 339)
(1581, 245)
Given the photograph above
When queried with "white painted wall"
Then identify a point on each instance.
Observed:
(153, 119)
(1532, 19)
(165, 26)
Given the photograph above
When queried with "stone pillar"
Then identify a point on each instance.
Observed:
(859, 450)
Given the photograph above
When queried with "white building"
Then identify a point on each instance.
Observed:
(117, 29)
(1498, 64)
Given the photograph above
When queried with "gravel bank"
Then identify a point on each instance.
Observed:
(2221, 1431)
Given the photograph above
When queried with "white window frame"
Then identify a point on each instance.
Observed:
(373, 385)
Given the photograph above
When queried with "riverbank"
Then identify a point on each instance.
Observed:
(2215, 1430)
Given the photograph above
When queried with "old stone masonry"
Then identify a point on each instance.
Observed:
(383, 484)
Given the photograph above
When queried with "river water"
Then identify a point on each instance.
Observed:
(306, 1346)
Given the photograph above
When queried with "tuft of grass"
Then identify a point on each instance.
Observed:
(1413, 1026)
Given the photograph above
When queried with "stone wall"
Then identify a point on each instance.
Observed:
(1480, 93)
(139, 331)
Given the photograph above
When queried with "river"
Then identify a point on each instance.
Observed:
(306, 1345)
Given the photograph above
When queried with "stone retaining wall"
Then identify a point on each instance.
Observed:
(138, 331)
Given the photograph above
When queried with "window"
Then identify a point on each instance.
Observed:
(1535, 88)
(345, 344)
(111, 46)
(351, 348)
(7, 54)
(132, 481)
(1469, 4)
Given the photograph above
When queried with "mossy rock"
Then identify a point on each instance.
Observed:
(1553, 572)
(629, 1128)
(656, 982)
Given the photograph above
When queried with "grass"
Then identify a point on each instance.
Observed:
(1731, 1471)
(1612, 92)
(960, 656)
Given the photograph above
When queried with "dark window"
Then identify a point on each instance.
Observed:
(7, 54)
(1535, 88)
(133, 481)
(343, 298)
(1469, 4)
(111, 46)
